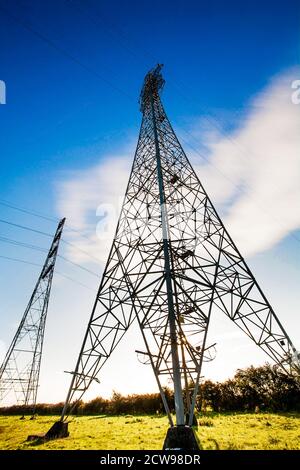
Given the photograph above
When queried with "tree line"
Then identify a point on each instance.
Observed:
(263, 388)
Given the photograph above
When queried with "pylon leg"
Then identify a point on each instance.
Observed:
(181, 438)
(58, 430)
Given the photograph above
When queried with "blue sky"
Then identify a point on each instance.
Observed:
(73, 72)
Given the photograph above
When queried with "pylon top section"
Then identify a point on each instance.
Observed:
(153, 83)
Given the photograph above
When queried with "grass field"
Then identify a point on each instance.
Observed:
(216, 431)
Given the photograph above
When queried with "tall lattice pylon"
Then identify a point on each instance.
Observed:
(20, 370)
(171, 265)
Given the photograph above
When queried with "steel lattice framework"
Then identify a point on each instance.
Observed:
(20, 370)
(171, 265)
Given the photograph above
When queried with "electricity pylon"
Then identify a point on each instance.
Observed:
(20, 370)
(172, 264)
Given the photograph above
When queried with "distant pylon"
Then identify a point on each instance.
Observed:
(20, 370)
(172, 264)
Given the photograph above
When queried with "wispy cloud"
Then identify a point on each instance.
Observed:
(255, 172)
(253, 175)
(91, 197)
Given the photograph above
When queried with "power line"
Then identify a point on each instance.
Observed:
(206, 116)
(215, 122)
(219, 128)
(240, 188)
(23, 227)
(72, 229)
(43, 216)
(98, 19)
(79, 266)
(27, 211)
(73, 280)
(64, 52)
(22, 244)
(38, 248)
(82, 251)
(72, 57)
(21, 261)
(207, 160)
(40, 266)
(137, 52)
(44, 38)
(87, 68)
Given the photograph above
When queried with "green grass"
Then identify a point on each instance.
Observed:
(216, 431)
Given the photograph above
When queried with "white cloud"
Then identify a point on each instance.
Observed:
(253, 175)
(255, 172)
(85, 196)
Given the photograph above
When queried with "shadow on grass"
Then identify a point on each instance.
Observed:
(36, 442)
(133, 416)
(217, 447)
(99, 417)
(197, 439)
(42, 440)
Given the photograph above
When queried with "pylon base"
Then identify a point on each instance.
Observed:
(181, 438)
(58, 430)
